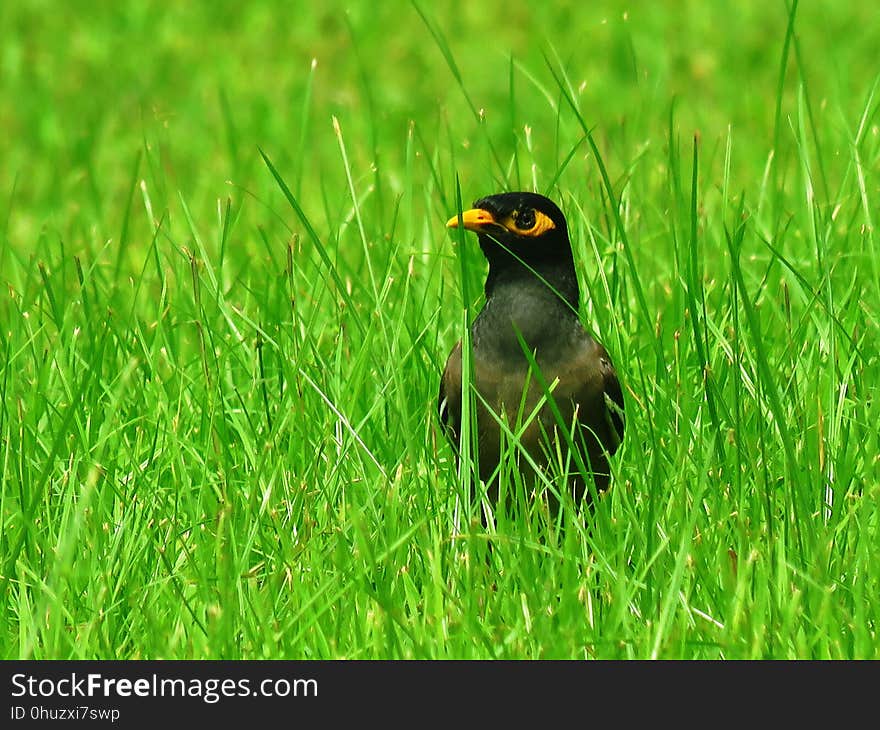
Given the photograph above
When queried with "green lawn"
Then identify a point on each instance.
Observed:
(228, 294)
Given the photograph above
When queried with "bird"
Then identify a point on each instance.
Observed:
(531, 306)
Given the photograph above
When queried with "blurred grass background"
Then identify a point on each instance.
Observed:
(86, 85)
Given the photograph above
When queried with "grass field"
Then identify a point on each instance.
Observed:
(228, 294)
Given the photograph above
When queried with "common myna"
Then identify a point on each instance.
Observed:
(532, 299)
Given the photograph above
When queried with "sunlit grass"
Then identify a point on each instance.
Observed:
(229, 295)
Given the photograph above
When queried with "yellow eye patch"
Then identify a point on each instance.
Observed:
(523, 221)
(528, 222)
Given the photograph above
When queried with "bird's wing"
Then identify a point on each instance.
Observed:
(449, 398)
(591, 381)
(613, 399)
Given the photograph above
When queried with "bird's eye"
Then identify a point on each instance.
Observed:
(525, 219)
(528, 222)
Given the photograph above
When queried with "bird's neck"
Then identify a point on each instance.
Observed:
(536, 303)
(553, 281)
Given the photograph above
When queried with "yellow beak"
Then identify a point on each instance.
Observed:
(473, 220)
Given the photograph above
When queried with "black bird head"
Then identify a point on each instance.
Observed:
(521, 226)
(523, 233)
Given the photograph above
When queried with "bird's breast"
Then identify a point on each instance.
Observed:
(531, 317)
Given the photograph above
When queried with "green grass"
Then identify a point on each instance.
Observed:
(228, 294)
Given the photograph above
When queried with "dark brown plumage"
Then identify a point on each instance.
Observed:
(532, 293)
